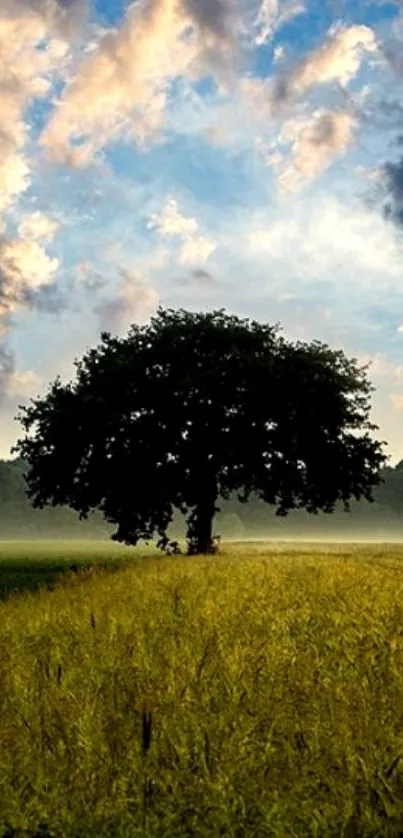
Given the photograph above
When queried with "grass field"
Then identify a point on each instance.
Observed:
(256, 693)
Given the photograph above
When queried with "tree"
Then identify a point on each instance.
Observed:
(191, 408)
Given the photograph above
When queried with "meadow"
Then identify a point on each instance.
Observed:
(255, 693)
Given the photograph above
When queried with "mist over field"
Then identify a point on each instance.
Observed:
(381, 521)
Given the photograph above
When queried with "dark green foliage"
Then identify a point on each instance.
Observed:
(195, 407)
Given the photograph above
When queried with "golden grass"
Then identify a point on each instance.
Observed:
(256, 693)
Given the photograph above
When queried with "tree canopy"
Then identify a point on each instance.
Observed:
(194, 407)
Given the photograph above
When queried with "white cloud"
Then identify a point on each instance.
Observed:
(120, 90)
(276, 237)
(36, 225)
(195, 248)
(273, 14)
(320, 242)
(24, 75)
(89, 277)
(267, 113)
(278, 53)
(14, 178)
(338, 59)
(314, 143)
(170, 222)
(24, 267)
(33, 49)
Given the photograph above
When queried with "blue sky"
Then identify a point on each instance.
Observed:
(200, 155)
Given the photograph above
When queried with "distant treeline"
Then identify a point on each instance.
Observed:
(18, 519)
(382, 518)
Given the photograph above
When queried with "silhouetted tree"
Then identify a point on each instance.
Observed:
(191, 408)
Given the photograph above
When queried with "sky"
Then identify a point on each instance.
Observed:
(206, 154)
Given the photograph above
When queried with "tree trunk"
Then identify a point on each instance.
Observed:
(200, 529)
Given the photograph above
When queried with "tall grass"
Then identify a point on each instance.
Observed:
(258, 693)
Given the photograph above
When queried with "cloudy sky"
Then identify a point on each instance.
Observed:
(245, 154)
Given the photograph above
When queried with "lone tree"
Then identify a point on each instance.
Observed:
(192, 408)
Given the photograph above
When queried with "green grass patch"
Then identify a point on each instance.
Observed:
(255, 693)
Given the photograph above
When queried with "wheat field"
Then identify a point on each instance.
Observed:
(255, 693)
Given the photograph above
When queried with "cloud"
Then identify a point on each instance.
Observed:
(24, 266)
(214, 18)
(26, 272)
(197, 249)
(14, 177)
(338, 59)
(65, 17)
(89, 277)
(36, 226)
(325, 245)
(278, 53)
(200, 277)
(381, 367)
(301, 258)
(286, 110)
(120, 91)
(314, 144)
(272, 15)
(198, 281)
(20, 81)
(397, 401)
(7, 366)
(241, 121)
(170, 222)
(392, 176)
(21, 384)
(135, 301)
(34, 49)
(25, 72)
